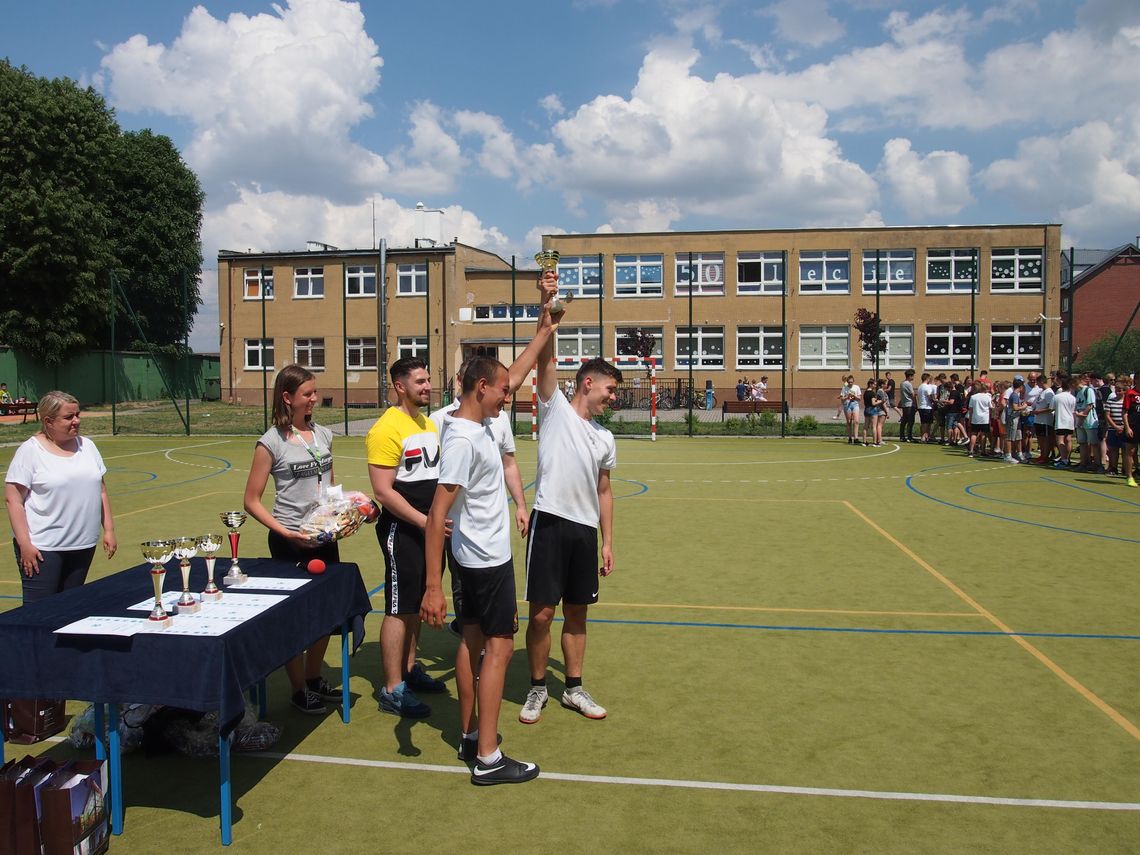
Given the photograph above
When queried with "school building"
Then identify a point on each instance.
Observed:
(721, 305)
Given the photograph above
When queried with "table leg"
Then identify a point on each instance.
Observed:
(115, 759)
(345, 632)
(225, 795)
(100, 727)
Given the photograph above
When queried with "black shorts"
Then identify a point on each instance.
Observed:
(926, 416)
(1101, 429)
(979, 429)
(405, 571)
(561, 561)
(286, 550)
(1041, 430)
(456, 585)
(1063, 431)
(488, 598)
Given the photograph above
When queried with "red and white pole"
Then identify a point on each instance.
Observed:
(534, 405)
(653, 399)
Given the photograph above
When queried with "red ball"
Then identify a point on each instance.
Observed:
(316, 566)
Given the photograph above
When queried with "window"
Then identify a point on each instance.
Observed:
(576, 345)
(1015, 346)
(502, 312)
(411, 347)
(1064, 333)
(361, 352)
(1015, 270)
(951, 270)
(900, 348)
(950, 346)
(360, 281)
(638, 275)
(705, 347)
(253, 351)
(411, 279)
(627, 359)
(254, 283)
(309, 282)
(310, 353)
(759, 347)
(895, 271)
(825, 347)
(1064, 304)
(825, 272)
(580, 275)
(760, 273)
(708, 269)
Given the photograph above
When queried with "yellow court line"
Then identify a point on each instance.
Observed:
(793, 611)
(1090, 696)
(175, 502)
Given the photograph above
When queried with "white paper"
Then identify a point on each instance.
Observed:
(199, 624)
(169, 598)
(268, 583)
(95, 625)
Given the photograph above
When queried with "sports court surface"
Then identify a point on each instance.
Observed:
(806, 646)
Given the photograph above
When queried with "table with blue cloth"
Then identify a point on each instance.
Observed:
(203, 673)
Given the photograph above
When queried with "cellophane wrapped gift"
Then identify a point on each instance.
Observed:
(335, 517)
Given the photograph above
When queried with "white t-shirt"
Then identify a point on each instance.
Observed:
(481, 525)
(1064, 406)
(926, 393)
(979, 404)
(1045, 402)
(1032, 395)
(65, 496)
(571, 452)
(500, 426)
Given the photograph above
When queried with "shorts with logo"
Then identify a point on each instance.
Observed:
(405, 571)
(488, 598)
(561, 561)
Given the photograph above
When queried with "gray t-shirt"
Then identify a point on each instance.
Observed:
(906, 394)
(295, 472)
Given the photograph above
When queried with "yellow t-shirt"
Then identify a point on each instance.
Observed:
(411, 447)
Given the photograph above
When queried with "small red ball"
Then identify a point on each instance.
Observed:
(316, 566)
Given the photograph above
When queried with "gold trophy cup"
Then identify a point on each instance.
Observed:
(186, 548)
(208, 545)
(548, 260)
(234, 520)
(158, 552)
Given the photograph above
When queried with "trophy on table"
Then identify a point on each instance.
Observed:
(234, 520)
(548, 260)
(186, 548)
(158, 552)
(208, 545)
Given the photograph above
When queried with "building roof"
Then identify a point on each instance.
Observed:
(1087, 263)
(951, 227)
(442, 249)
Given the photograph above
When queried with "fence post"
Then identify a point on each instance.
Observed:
(534, 405)
(653, 399)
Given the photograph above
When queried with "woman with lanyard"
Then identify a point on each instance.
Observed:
(298, 454)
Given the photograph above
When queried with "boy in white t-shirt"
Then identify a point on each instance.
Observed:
(1064, 418)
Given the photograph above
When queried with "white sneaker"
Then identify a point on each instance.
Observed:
(536, 699)
(1010, 459)
(579, 699)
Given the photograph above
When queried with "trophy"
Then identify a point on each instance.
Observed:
(234, 520)
(186, 548)
(548, 260)
(208, 545)
(158, 552)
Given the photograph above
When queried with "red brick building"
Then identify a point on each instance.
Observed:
(1100, 291)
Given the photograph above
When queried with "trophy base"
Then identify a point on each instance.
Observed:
(189, 608)
(161, 622)
(211, 596)
(235, 580)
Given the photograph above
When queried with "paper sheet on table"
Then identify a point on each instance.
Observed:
(268, 583)
(96, 625)
(169, 598)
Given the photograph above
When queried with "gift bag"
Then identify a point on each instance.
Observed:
(29, 720)
(20, 782)
(73, 810)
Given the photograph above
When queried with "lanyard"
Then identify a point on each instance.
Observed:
(314, 452)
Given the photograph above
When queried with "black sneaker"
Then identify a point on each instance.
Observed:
(419, 680)
(402, 701)
(320, 687)
(469, 748)
(308, 702)
(503, 771)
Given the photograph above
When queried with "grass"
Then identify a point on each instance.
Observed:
(792, 614)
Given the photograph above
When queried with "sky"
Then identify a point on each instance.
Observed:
(327, 120)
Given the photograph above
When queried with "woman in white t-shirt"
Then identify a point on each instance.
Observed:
(57, 502)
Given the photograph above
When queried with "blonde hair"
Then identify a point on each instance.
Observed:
(52, 402)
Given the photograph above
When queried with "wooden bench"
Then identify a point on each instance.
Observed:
(21, 408)
(752, 407)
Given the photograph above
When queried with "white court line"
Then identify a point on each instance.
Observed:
(883, 795)
(166, 450)
(891, 450)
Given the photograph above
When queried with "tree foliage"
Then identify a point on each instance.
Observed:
(1096, 357)
(870, 330)
(638, 342)
(78, 199)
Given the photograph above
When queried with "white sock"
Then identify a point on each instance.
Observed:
(491, 758)
(472, 735)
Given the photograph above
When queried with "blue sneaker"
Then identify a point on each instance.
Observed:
(421, 681)
(402, 701)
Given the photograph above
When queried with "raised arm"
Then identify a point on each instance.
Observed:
(543, 340)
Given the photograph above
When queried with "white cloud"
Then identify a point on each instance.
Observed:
(500, 154)
(433, 161)
(644, 215)
(552, 104)
(805, 22)
(926, 186)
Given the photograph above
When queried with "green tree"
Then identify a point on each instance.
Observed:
(1125, 360)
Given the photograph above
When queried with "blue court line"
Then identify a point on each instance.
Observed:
(1088, 490)
(226, 467)
(151, 476)
(376, 590)
(11, 597)
(910, 486)
(972, 491)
